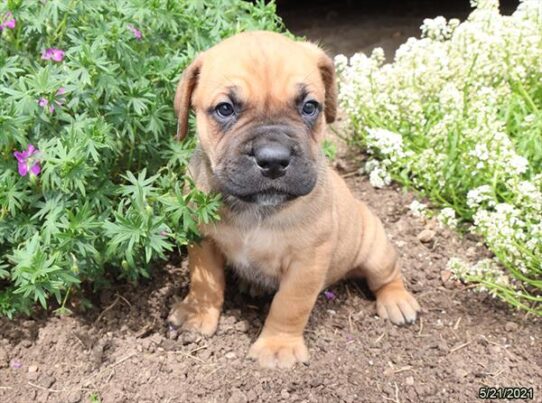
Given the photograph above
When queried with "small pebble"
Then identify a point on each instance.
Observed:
(74, 396)
(409, 380)
(242, 326)
(445, 275)
(426, 236)
(460, 373)
(511, 326)
(237, 397)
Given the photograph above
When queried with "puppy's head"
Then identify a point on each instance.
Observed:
(261, 103)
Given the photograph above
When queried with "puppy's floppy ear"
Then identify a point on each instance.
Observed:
(183, 96)
(327, 71)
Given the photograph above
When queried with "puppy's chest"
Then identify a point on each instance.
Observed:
(257, 254)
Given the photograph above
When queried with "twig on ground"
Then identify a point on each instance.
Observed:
(403, 369)
(348, 293)
(110, 376)
(351, 173)
(456, 348)
(124, 299)
(421, 327)
(456, 326)
(191, 356)
(396, 400)
(107, 309)
(111, 366)
(379, 338)
(122, 360)
(79, 340)
(350, 324)
(198, 349)
(46, 389)
(145, 330)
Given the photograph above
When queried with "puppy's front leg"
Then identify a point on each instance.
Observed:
(281, 340)
(201, 308)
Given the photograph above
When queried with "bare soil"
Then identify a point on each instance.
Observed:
(123, 351)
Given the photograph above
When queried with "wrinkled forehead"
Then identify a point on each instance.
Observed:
(259, 73)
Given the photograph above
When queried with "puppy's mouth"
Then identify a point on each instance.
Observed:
(267, 198)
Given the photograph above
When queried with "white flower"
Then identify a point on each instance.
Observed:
(386, 142)
(341, 63)
(447, 217)
(479, 195)
(379, 177)
(378, 56)
(519, 164)
(417, 208)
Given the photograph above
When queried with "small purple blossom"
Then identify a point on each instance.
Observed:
(15, 364)
(137, 33)
(330, 295)
(43, 102)
(8, 22)
(54, 54)
(28, 161)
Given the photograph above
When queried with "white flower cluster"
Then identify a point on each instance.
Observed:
(457, 114)
(388, 143)
(417, 209)
(378, 175)
(438, 28)
(485, 271)
(447, 217)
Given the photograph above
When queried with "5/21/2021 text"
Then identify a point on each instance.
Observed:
(488, 392)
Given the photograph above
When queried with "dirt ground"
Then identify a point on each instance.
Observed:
(123, 351)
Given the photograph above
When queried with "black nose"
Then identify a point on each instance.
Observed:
(273, 159)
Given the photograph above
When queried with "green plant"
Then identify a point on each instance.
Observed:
(94, 398)
(330, 149)
(458, 116)
(91, 178)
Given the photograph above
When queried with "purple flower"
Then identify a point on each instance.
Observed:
(330, 295)
(8, 22)
(57, 55)
(43, 102)
(15, 364)
(137, 33)
(27, 161)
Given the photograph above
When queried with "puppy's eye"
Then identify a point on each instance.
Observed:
(224, 110)
(310, 108)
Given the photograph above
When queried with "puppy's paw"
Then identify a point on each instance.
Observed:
(397, 305)
(279, 351)
(196, 317)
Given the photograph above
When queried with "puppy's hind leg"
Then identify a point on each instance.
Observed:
(379, 264)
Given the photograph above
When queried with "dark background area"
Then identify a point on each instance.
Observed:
(348, 26)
